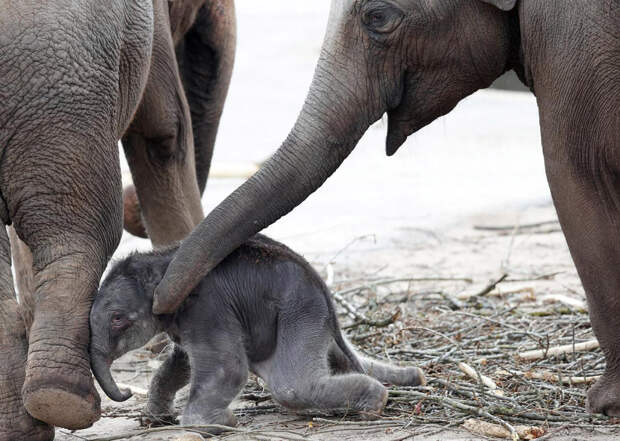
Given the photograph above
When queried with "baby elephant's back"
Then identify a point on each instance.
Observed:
(260, 286)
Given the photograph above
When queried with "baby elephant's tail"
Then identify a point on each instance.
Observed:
(343, 358)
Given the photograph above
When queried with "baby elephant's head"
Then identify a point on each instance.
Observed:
(121, 319)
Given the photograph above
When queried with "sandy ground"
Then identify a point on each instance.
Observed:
(411, 215)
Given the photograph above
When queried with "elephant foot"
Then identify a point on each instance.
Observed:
(132, 214)
(57, 405)
(223, 417)
(20, 426)
(15, 423)
(604, 396)
(411, 376)
(59, 387)
(159, 414)
(375, 406)
(157, 420)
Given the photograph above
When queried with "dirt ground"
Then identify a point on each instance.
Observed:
(539, 269)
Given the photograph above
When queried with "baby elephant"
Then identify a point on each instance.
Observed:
(263, 309)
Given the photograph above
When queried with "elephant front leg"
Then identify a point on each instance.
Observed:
(587, 199)
(15, 422)
(171, 376)
(69, 214)
(160, 149)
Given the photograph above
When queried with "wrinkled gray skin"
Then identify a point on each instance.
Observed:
(415, 60)
(263, 309)
(76, 77)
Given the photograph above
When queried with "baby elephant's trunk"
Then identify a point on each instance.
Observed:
(101, 368)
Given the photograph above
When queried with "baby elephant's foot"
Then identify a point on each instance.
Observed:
(216, 418)
(159, 414)
(149, 419)
(604, 396)
(373, 402)
(411, 376)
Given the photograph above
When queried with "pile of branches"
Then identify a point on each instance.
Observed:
(495, 364)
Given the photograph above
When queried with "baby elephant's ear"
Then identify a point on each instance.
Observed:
(504, 5)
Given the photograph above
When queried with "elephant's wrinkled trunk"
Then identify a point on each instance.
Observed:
(101, 368)
(329, 126)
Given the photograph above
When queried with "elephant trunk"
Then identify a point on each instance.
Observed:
(329, 126)
(100, 365)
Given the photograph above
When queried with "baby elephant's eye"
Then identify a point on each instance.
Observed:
(119, 321)
(381, 17)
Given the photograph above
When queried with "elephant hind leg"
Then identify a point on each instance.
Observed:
(384, 372)
(15, 422)
(160, 149)
(299, 374)
(206, 56)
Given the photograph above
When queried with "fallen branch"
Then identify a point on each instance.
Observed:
(491, 430)
(577, 304)
(376, 323)
(487, 289)
(558, 350)
(352, 311)
(134, 389)
(513, 227)
(190, 437)
(475, 375)
(383, 282)
(551, 377)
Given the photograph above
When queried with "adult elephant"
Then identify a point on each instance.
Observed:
(78, 76)
(415, 59)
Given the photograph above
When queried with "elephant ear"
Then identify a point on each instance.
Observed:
(504, 5)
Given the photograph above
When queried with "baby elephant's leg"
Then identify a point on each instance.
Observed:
(320, 390)
(384, 372)
(172, 375)
(219, 370)
(299, 375)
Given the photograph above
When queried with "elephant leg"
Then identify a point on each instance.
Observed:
(160, 149)
(22, 262)
(171, 376)
(339, 363)
(69, 213)
(586, 193)
(206, 56)
(15, 422)
(579, 127)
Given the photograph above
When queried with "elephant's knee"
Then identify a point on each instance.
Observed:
(166, 148)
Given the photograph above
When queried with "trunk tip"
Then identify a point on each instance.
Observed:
(125, 394)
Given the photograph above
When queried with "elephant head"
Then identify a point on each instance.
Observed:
(412, 59)
(121, 319)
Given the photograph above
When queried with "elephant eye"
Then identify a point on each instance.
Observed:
(119, 321)
(381, 17)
